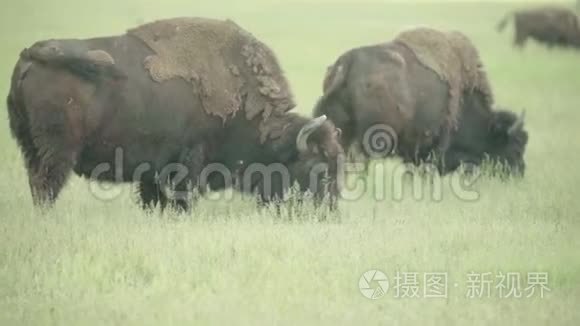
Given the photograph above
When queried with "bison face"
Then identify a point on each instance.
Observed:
(307, 153)
(316, 168)
(507, 141)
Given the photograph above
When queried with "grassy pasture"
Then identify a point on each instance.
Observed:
(93, 262)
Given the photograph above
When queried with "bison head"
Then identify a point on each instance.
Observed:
(484, 133)
(316, 166)
(291, 150)
(507, 141)
(503, 141)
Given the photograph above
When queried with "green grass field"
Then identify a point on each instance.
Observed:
(94, 262)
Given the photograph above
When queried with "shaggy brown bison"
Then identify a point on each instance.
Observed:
(425, 92)
(552, 26)
(156, 106)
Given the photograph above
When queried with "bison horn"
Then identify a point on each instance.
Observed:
(309, 128)
(518, 124)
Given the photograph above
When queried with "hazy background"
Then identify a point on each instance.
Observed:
(92, 262)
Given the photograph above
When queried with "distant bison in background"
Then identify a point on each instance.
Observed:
(181, 92)
(552, 26)
(427, 96)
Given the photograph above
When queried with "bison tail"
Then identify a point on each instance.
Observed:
(17, 115)
(503, 22)
(92, 65)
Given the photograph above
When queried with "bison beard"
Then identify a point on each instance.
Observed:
(430, 90)
(73, 104)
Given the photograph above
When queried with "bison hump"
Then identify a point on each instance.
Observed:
(228, 67)
(454, 58)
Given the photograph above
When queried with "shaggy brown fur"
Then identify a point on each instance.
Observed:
(68, 112)
(453, 57)
(222, 61)
(410, 90)
(553, 26)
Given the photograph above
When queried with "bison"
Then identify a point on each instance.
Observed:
(425, 97)
(125, 108)
(553, 26)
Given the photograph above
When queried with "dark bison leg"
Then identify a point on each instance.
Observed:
(263, 202)
(520, 38)
(454, 159)
(195, 160)
(178, 200)
(150, 195)
(441, 149)
(50, 154)
(184, 179)
(272, 194)
(47, 179)
(49, 170)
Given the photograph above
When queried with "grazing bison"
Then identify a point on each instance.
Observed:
(156, 106)
(552, 26)
(425, 92)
